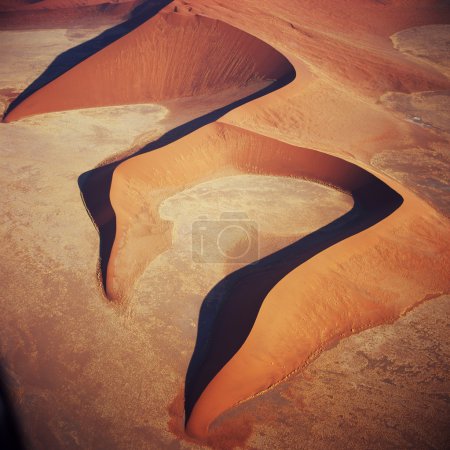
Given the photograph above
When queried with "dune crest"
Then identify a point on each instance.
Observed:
(215, 150)
(162, 68)
(366, 268)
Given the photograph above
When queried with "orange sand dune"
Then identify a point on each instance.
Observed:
(366, 280)
(330, 304)
(210, 152)
(314, 304)
(162, 68)
(345, 40)
(392, 256)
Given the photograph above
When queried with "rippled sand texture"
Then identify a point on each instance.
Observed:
(162, 69)
(143, 340)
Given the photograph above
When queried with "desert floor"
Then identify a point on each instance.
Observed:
(86, 372)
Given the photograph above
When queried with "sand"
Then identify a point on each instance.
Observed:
(348, 120)
(52, 14)
(105, 79)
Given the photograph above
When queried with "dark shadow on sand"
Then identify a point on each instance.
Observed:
(95, 184)
(230, 309)
(75, 55)
(10, 431)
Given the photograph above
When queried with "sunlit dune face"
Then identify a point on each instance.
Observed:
(241, 234)
(141, 184)
(229, 213)
(163, 69)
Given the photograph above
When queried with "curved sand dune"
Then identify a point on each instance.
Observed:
(243, 68)
(223, 377)
(334, 300)
(221, 380)
(238, 364)
(162, 68)
(213, 151)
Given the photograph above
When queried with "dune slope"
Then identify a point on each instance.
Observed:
(162, 68)
(369, 267)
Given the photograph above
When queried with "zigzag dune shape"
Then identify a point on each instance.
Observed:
(275, 318)
(232, 370)
(369, 267)
(212, 151)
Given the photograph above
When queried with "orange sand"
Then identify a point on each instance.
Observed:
(17, 5)
(210, 152)
(162, 68)
(344, 61)
(16, 14)
(315, 304)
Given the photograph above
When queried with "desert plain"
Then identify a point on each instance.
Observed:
(136, 135)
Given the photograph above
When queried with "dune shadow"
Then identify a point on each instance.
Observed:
(96, 183)
(230, 309)
(10, 430)
(70, 58)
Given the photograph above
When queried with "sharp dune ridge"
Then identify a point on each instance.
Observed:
(205, 154)
(162, 68)
(366, 268)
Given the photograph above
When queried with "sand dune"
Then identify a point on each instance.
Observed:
(217, 383)
(210, 152)
(239, 365)
(162, 68)
(331, 125)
